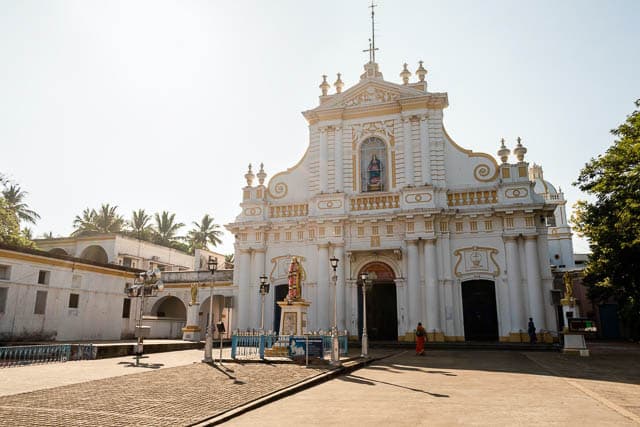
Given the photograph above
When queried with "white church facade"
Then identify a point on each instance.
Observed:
(457, 240)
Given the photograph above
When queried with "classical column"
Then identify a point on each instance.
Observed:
(323, 161)
(408, 152)
(243, 268)
(514, 278)
(257, 269)
(431, 286)
(340, 291)
(547, 279)
(413, 269)
(322, 305)
(425, 151)
(534, 285)
(338, 160)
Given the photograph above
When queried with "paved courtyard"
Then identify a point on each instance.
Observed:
(443, 388)
(181, 393)
(471, 388)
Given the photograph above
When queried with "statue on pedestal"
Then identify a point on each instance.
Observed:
(296, 275)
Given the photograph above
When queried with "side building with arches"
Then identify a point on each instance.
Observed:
(455, 239)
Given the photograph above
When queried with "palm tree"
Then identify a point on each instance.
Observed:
(48, 235)
(228, 261)
(204, 233)
(107, 220)
(14, 196)
(139, 226)
(166, 228)
(103, 221)
(27, 233)
(85, 224)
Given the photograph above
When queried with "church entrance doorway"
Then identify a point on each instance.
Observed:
(280, 295)
(382, 315)
(479, 310)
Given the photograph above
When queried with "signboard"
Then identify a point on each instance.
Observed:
(581, 324)
(298, 346)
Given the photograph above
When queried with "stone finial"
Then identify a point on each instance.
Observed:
(261, 175)
(339, 84)
(503, 152)
(405, 74)
(249, 176)
(520, 150)
(421, 72)
(324, 86)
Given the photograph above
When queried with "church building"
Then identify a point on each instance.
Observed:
(455, 239)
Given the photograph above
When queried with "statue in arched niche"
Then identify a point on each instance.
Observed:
(374, 173)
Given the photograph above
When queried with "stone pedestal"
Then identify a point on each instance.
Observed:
(574, 343)
(569, 310)
(293, 318)
(191, 332)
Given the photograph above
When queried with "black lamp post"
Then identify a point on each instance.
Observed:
(212, 265)
(366, 284)
(335, 346)
(264, 290)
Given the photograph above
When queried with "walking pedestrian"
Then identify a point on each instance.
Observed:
(421, 337)
(531, 330)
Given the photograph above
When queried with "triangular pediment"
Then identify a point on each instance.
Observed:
(369, 92)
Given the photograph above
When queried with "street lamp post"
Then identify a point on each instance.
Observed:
(335, 346)
(149, 283)
(366, 283)
(212, 264)
(264, 290)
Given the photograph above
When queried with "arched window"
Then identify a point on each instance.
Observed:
(373, 165)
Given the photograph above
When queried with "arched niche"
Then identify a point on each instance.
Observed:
(58, 251)
(374, 165)
(95, 253)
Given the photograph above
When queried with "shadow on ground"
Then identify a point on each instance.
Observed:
(614, 362)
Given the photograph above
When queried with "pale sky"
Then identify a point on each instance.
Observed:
(162, 104)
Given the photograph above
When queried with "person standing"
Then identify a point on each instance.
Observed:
(421, 338)
(531, 330)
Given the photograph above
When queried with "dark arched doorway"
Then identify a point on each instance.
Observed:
(479, 310)
(382, 314)
(281, 292)
(171, 307)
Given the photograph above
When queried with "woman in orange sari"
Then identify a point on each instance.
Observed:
(421, 338)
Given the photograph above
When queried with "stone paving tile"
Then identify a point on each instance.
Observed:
(168, 397)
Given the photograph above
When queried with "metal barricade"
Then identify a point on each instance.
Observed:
(31, 354)
(252, 344)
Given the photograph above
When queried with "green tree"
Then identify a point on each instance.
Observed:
(14, 197)
(611, 222)
(204, 233)
(102, 221)
(166, 228)
(140, 225)
(10, 227)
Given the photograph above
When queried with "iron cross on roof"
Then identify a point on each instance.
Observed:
(372, 41)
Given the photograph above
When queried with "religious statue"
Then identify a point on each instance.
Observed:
(568, 286)
(194, 294)
(296, 275)
(374, 172)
